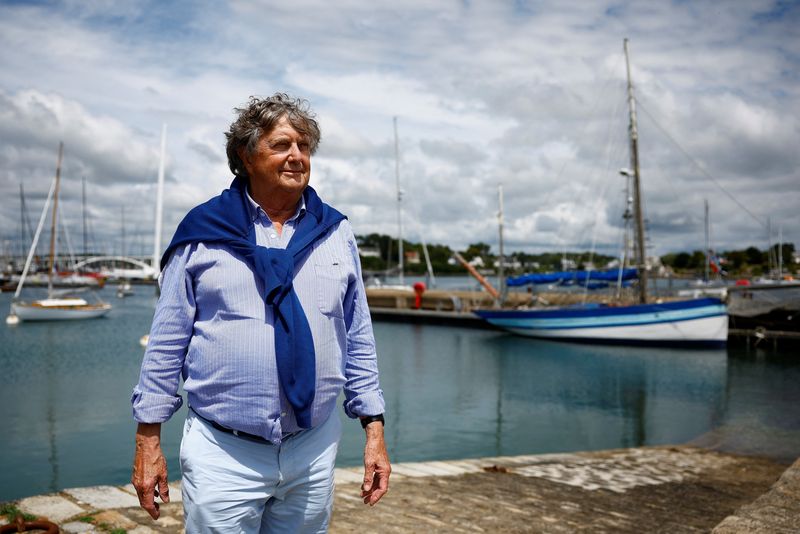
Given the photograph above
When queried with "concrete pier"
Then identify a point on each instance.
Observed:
(649, 489)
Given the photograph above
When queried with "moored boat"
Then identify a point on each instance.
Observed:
(57, 306)
(699, 321)
(58, 309)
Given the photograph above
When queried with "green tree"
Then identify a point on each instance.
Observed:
(477, 249)
(754, 256)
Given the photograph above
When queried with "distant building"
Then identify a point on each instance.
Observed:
(369, 252)
(509, 263)
(477, 261)
(412, 257)
(568, 264)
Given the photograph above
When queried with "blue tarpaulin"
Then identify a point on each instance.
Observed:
(571, 277)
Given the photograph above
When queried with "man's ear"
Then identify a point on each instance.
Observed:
(244, 156)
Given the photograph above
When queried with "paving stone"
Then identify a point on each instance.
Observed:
(167, 521)
(113, 519)
(102, 497)
(52, 507)
(415, 469)
(76, 527)
(344, 476)
(175, 494)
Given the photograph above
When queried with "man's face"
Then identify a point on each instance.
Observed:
(281, 161)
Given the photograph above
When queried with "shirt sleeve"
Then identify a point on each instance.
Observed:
(362, 392)
(155, 398)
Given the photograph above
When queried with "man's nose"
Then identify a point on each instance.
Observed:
(294, 152)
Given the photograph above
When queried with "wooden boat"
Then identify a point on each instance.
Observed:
(58, 309)
(702, 322)
(57, 306)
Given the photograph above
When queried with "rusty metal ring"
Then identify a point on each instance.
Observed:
(20, 525)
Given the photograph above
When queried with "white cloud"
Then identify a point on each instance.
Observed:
(522, 94)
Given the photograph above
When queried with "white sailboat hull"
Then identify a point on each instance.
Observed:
(35, 311)
(686, 331)
(697, 322)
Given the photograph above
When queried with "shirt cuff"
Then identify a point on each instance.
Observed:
(369, 403)
(154, 407)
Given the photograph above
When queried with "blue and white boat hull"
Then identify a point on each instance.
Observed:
(691, 322)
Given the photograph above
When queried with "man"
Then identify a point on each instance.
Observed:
(263, 314)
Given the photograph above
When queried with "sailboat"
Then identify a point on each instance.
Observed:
(58, 306)
(696, 322)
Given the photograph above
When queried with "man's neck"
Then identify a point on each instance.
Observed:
(278, 207)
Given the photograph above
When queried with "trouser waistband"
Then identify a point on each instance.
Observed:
(237, 433)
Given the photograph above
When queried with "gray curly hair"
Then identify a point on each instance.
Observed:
(259, 117)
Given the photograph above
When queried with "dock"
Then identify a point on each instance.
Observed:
(454, 308)
(648, 489)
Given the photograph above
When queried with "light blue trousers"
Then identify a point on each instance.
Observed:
(235, 485)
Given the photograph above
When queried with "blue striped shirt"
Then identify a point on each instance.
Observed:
(213, 329)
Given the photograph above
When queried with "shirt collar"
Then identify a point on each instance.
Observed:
(254, 210)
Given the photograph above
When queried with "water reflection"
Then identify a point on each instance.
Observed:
(761, 415)
(474, 393)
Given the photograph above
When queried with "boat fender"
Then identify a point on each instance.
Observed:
(419, 289)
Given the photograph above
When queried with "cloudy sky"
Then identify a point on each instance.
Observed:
(530, 95)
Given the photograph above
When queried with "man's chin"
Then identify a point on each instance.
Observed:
(290, 183)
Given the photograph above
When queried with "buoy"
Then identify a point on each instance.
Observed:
(12, 319)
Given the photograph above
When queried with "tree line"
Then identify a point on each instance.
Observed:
(380, 253)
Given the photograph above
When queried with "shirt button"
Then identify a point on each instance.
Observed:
(273, 236)
(283, 414)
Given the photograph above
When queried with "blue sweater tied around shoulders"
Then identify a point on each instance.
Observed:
(225, 219)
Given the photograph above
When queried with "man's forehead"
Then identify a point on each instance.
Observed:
(284, 127)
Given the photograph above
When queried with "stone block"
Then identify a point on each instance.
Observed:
(174, 491)
(103, 497)
(52, 507)
(77, 527)
(345, 476)
(114, 519)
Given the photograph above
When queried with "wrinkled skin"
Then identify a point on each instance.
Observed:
(376, 465)
(150, 469)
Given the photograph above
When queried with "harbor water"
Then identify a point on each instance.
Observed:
(65, 416)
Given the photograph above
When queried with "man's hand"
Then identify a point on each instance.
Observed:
(150, 468)
(376, 465)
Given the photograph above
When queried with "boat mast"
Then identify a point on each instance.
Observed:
(159, 204)
(501, 270)
(22, 220)
(399, 203)
(706, 275)
(641, 257)
(83, 212)
(53, 222)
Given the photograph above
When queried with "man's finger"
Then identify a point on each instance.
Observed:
(369, 475)
(163, 490)
(147, 501)
(152, 510)
(379, 490)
